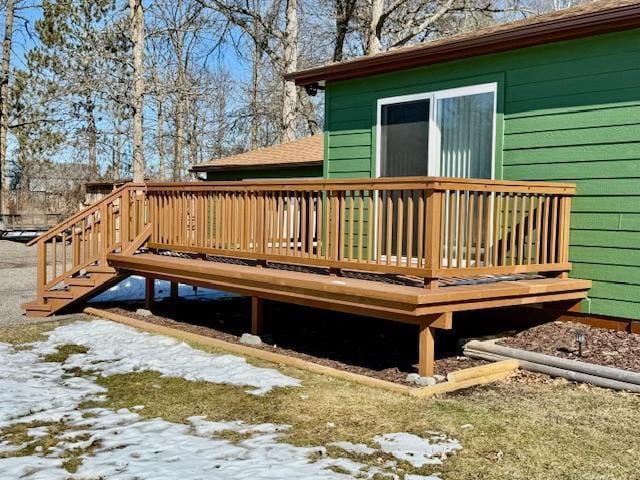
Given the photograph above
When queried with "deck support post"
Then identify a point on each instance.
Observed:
(256, 315)
(174, 290)
(426, 350)
(149, 293)
(335, 272)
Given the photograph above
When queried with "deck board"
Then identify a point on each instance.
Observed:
(353, 295)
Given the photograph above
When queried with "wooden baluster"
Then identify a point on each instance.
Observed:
(461, 229)
(409, 251)
(342, 224)
(295, 223)
(514, 211)
(421, 227)
(310, 224)
(41, 279)
(451, 231)
(389, 226)
(470, 207)
(321, 244)
(505, 227)
(495, 230)
(566, 223)
(489, 212)
(350, 245)
(54, 263)
(479, 224)
(545, 230)
(64, 251)
(399, 227)
(530, 229)
(554, 229)
(124, 219)
(304, 220)
(360, 224)
(336, 222)
(538, 230)
(521, 231)
(379, 215)
(370, 225)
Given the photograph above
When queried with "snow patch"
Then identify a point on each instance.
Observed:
(123, 444)
(133, 288)
(416, 450)
(129, 350)
(357, 448)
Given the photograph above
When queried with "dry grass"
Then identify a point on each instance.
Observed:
(63, 352)
(518, 431)
(28, 332)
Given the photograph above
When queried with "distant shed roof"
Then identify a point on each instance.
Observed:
(303, 152)
(593, 18)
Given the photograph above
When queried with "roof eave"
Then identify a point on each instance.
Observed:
(268, 166)
(569, 28)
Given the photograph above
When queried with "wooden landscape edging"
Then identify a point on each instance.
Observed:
(465, 378)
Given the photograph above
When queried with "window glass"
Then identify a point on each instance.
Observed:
(404, 139)
(466, 135)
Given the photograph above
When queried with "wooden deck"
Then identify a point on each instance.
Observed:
(413, 250)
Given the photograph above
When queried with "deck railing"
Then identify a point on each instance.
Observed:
(87, 237)
(427, 227)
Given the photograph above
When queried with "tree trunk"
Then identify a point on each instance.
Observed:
(289, 100)
(178, 143)
(255, 85)
(344, 12)
(4, 93)
(160, 141)
(373, 44)
(137, 38)
(92, 140)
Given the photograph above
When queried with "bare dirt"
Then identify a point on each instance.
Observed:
(602, 347)
(380, 349)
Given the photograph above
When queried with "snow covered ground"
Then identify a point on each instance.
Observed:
(123, 445)
(133, 288)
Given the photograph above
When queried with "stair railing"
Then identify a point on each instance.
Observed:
(86, 238)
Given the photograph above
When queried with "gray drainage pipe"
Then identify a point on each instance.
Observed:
(573, 370)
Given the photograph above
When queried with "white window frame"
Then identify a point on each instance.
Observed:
(433, 152)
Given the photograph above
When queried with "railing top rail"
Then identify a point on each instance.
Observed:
(386, 183)
(81, 214)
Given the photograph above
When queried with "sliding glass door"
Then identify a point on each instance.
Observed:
(447, 133)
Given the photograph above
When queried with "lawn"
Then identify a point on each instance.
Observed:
(517, 429)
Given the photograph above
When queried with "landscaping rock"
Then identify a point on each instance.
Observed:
(421, 381)
(440, 378)
(249, 339)
(143, 312)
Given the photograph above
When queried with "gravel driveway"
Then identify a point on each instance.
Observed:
(17, 281)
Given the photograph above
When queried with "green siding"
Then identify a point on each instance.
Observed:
(568, 111)
(260, 173)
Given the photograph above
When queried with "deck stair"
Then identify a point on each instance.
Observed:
(72, 256)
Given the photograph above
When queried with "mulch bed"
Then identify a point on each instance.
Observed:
(603, 347)
(376, 348)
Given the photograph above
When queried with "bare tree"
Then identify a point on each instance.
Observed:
(414, 19)
(280, 45)
(137, 39)
(4, 91)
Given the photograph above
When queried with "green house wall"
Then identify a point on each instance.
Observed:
(264, 173)
(568, 111)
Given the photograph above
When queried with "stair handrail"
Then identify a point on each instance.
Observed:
(52, 232)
